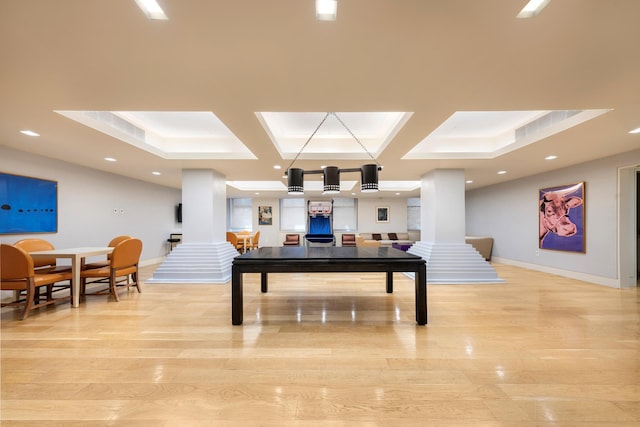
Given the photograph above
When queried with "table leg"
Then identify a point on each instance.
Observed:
(264, 286)
(76, 263)
(236, 296)
(389, 282)
(421, 295)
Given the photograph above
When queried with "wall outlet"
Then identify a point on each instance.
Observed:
(537, 252)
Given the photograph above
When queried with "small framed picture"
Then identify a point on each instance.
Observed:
(265, 216)
(382, 214)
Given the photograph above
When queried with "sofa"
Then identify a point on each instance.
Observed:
(383, 239)
(482, 244)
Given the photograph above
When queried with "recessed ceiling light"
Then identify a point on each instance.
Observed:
(29, 132)
(552, 157)
(277, 167)
(636, 130)
(152, 9)
(326, 10)
(502, 172)
(110, 159)
(532, 8)
(397, 194)
(469, 181)
(156, 173)
(257, 193)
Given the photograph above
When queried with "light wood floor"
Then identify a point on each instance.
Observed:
(330, 350)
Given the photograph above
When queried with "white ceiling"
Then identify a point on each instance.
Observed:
(241, 62)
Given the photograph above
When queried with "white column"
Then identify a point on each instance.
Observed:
(449, 258)
(205, 256)
(204, 206)
(443, 211)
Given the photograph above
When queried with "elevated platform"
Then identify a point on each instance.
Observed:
(197, 263)
(455, 263)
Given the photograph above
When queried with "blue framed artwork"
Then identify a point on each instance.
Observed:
(28, 205)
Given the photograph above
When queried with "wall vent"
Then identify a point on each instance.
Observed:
(543, 122)
(118, 123)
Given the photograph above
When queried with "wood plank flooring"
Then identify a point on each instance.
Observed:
(330, 350)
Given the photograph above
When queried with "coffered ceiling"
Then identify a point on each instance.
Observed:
(239, 86)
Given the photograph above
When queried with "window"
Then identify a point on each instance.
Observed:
(239, 214)
(293, 215)
(413, 213)
(345, 214)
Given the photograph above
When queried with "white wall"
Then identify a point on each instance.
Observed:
(509, 213)
(86, 202)
(397, 215)
(269, 234)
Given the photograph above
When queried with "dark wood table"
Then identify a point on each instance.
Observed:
(328, 260)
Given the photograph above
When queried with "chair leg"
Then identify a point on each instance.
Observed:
(113, 284)
(134, 277)
(28, 302)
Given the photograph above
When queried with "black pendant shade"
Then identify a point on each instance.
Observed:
(295, 181)
(369, 178)
(331, 180)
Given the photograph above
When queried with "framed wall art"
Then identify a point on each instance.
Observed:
(28, 205)
(561, 213)
(382, 214)
(265, 215)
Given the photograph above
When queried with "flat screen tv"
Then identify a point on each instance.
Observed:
(179, 212)
(28, 205)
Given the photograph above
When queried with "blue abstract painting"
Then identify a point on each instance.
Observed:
(28, 205)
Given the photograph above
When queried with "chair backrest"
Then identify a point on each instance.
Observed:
(15, 263)
(232, 238)
(118, 239)
(34, 245)
(256, 238)
(244, 232)
(114, 242)
(292, 238)
(126, 253)
(348, 238)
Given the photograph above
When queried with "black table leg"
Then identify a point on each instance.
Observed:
(236, 296)
(421, 295)
(389, 282)
(264, 287)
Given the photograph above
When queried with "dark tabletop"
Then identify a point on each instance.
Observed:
(326, 253)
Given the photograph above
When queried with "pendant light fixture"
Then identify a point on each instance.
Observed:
(331, 184)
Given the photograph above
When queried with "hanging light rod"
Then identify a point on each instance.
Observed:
(368, 172)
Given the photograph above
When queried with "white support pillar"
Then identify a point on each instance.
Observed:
(205, 256)
(449, 258)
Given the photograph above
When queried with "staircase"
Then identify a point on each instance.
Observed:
(454, 263)
(196, 263)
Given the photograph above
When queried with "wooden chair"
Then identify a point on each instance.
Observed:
(291, 240)
(233, 239)
(18, 274)
(44, 264)
(124, 263)
(348, 240)
(112, 244)
(255, 240)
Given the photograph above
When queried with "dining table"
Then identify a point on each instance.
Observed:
(247, 240)
(77, 256)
